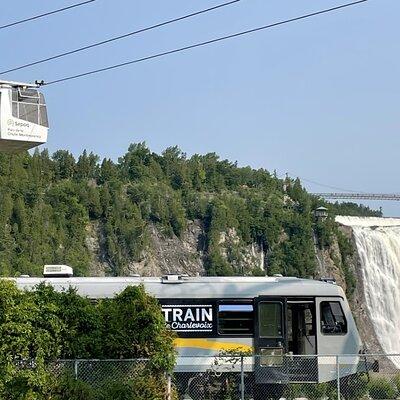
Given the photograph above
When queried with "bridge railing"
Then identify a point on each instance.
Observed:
(359, 196)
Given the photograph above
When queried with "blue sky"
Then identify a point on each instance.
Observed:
(318, 98)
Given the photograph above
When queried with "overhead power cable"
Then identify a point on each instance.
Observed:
(46, 14)
(325, 185)
(211, 41)
(113, 39)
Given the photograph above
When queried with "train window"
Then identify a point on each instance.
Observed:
(235, 319)
(333, 321)
(270, 320)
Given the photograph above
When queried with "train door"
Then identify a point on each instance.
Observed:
(301, 326)
(302, 362)
(269, 339)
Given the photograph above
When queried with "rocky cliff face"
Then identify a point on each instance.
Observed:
(329, 261)
(170, 254)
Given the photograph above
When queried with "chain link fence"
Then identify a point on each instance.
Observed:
(344, 377)
(99, 373)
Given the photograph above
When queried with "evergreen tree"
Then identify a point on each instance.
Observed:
(50, 206)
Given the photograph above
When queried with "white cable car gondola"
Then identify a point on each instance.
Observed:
(23, 117)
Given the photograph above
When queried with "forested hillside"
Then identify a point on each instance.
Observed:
(54, 207)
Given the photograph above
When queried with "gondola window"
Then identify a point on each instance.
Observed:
(333, 321)
(235, 319)
(30, 106)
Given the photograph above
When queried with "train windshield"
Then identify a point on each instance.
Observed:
(29, 105)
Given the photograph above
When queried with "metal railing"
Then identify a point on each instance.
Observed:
(227, 377)
(360, 196)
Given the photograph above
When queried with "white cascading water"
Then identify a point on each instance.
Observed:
(378, 245)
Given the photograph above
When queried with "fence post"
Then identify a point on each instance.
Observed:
(76, 369)
(241, 378)
(169, 387)
(338, 377)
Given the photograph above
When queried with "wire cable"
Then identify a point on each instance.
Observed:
(113, 39)
(46, 14)
(324, 185)
(211, 41)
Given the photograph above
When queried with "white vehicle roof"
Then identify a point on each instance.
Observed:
(191, 287)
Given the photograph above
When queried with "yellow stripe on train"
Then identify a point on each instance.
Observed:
(211, 345)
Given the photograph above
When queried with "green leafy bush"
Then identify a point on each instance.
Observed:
(134, 327)
(311, 391)
(41, 326)
(396, 382)
(355, 387)
(381, 388)
(116, 391)
(142, 387)
(69, 388)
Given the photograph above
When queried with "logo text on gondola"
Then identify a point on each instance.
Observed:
(186, 318)
(17, 124)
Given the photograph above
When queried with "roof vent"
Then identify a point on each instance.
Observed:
(57, 271)
(173, 278)
(328, 280)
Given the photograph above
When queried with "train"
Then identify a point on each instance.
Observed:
(268, 320)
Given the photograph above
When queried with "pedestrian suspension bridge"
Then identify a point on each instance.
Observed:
(359, 196)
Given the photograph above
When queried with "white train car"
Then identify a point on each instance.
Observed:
(296, 326)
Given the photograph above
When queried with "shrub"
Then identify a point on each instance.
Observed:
(311, 391)
(134, 327)
(116, 391)
(396, 382)
(72, 389)
(354, 387)
(381, 388)
(315, 391)
(142, 387)
(38, 327)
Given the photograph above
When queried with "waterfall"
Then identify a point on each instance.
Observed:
(378, 246)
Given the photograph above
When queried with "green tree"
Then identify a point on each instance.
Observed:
(64, 164)
(40, 326)
(52, 206)
(30, 335)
